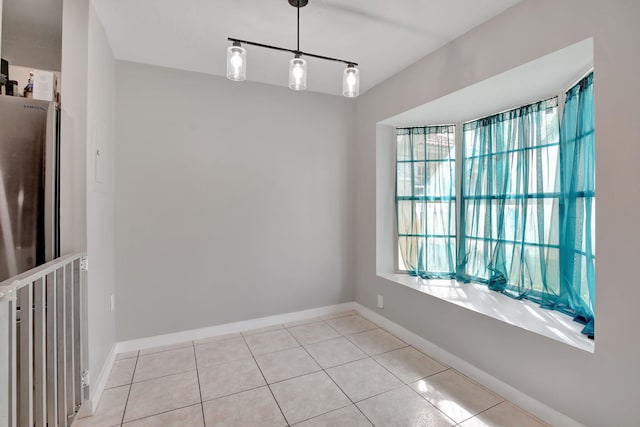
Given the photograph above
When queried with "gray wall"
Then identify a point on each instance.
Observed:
(73, 151)
(231, 200)
(32, 33)
(101, 111)
(596, 389)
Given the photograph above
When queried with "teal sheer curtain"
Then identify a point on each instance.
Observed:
(426, 200)
(527, 223)
(510, 202)
(577, 208)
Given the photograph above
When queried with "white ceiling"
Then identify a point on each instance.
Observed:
(383, 36)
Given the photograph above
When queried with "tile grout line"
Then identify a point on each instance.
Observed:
(369, 330)
(317, 319)
(124, 411)
(162, 376)
(159, 351)
(385, 368)
(481, 412)
(336, 384)
(446, 368)
(106, 387)
(272, 328)
(265, 379)
(329, 376)
(367, 356)
(161, 413)
(438, 409)
(471, 380)
(195, 357)
(330, 367)
(233, 394)
(402, 383)
(411, 388)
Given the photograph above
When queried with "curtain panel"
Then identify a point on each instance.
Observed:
(510, 202)
(577, 206)
(426, 201)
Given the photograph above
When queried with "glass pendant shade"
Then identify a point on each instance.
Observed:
(351, 82)
(236, 63)
(298, 73)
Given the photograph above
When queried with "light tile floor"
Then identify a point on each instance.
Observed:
(339, 370)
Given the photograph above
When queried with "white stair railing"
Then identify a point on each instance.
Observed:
(41, 349)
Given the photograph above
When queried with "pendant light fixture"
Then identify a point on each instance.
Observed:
(237, 62)
(298, 73)
(351, 81)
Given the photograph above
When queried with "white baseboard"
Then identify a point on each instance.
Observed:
(245, 325)
(97, 386)
(526, 402)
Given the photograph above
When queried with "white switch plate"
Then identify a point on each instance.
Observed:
(113, 302)
(380, 302)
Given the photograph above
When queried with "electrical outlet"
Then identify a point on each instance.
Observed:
(113, 302)
(380, 301)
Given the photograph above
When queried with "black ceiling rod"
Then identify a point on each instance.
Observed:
(297, 4)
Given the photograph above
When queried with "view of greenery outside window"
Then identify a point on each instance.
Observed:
(510, 202)
(426, 201)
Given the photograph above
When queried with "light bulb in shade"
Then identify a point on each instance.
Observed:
(236, 63)
(298, 73)
(351, 81)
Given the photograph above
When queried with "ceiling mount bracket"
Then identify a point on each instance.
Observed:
(298, 3)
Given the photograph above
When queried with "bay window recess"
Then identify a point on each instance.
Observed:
(527, 210)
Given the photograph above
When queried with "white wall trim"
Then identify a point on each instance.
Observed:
(521, 313)
(244, 325)
(97, 387)
(510, 393)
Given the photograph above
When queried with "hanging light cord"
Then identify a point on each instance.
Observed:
(298, 25)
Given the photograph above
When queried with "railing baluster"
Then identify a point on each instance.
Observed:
(13, 366)
(7, 322)
(40, 353)
(68, 292)
(77, 337)
(4, 364)
(61, 347)
(25, 363)
(52, 354)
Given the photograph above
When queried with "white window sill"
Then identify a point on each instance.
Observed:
(521, 313)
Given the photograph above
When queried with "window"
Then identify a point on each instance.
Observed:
(510, 199)
(527, 215)
(425, 200)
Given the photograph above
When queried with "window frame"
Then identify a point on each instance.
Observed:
(397, 257)
(459, 160)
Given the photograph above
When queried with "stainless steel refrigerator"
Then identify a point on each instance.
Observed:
(28, 184)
